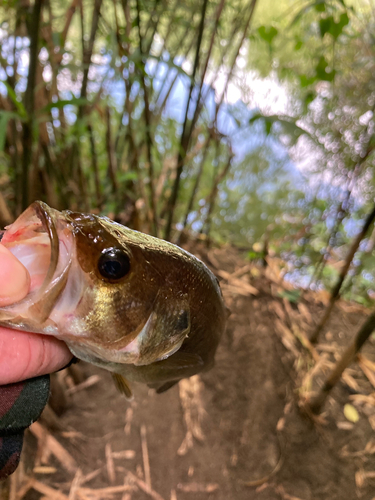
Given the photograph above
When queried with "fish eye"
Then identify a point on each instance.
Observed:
(114, 264)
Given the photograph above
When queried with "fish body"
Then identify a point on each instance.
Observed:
(136, 305)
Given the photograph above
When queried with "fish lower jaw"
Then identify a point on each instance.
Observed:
(99, 355)
(43, 244)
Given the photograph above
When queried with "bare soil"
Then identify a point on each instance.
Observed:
(241, 422)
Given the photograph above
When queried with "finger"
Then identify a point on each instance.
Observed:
(26, 355)
(14, 278)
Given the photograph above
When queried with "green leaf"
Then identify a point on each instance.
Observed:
(171, 64)
(329, 25)
(325, 25)
(321, 71)
(268, 124)
(4, 117)
(305, 81)
(320, 6)
(268, 33)
(351, 413)
(252, 255)
(309, 97)
(75, 101)
(18, 104)
(127, 176)
(336, 28)
(56, 38)
(287, 123)
(291, 295)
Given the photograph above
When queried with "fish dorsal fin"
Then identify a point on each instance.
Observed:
(122, 385)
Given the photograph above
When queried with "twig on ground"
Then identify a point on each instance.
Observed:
(110, 465)
(146, 461)
(61, 454)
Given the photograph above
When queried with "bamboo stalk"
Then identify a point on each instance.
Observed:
(148, 138)
(168, 93)
(342, 209)
(251, 9)
(83, 199)
(6, 216)
(165, 80)
(133, 147)
(95, 168)
(167, 35)
(236, 26)
(68, 20)
(110, 154)
(29, 100)
(87, 51)
(319, 269)
(202, 77)
(243, 37)
(196, 185)
(152, 25)
(346, 359)
(185, 137)
(213, 195)
(336, 290)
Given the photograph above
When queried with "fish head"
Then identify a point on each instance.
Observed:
(98, 286)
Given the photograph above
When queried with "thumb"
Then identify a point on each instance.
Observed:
(14, 278)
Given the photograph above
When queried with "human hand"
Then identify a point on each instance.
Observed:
(24, 355)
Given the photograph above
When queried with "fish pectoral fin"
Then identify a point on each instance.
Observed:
(162, 387)
(178, 366)
(166, 386)
(180, 361)
(122, 385)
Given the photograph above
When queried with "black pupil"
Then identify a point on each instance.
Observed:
(114, 264)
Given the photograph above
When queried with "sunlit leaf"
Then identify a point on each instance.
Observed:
(320, 7)
(292, 295)
(288, 125)
(351, 413)
(61, 103)
(267, 33)
(325, 25)
(321, 70)
(306, 81)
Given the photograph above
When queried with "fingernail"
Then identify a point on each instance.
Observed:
(14, 278)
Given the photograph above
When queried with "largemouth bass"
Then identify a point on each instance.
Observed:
(141, 307)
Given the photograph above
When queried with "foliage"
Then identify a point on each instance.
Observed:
(323, 52)
(146, 110)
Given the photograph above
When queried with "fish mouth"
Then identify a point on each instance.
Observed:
(41, 239)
